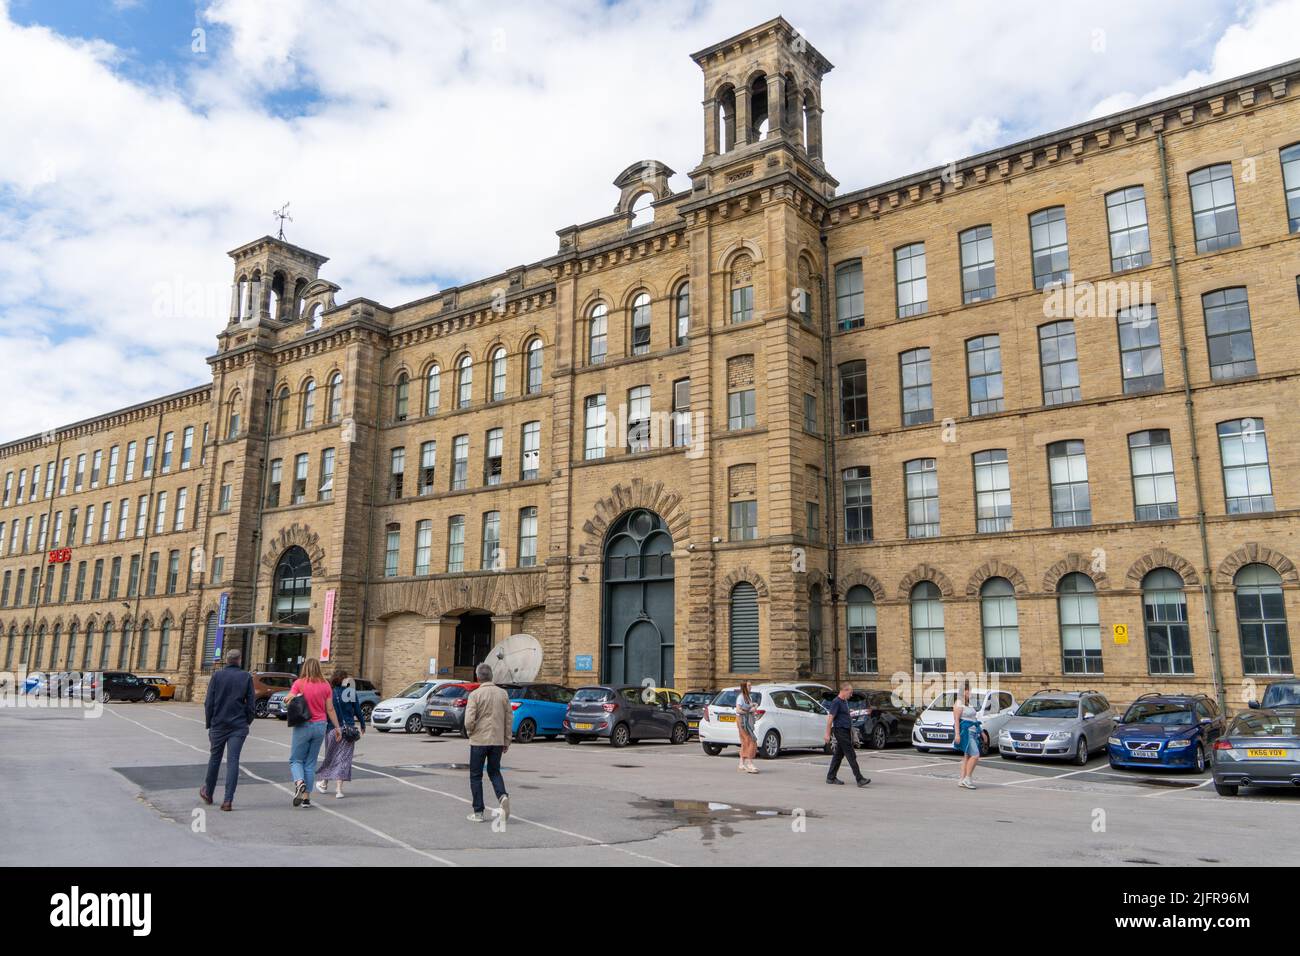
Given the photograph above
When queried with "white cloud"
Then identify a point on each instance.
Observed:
(448, 140)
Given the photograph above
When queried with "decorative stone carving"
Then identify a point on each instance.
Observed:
(438, 597)
(1162, 558)
(302, 536)
(848, 582)
(625, 497)
(741, 573)
(993, 568)
(924, 572)
(1254, 553)
(1070, 563)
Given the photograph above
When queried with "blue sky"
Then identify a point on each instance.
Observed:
(424, 144)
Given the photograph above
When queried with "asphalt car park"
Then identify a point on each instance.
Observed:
(123, 788)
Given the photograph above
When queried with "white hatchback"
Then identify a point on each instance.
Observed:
(785, 718)
(933, 729)
(406, 710)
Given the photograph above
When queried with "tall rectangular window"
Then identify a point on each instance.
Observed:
(1291, 184)
(742, 304)
(456, 544)
(169, 442)
(151, 576)
(1126, 219)
(1152, 459)
(460, 462)
(80, 481)
(638, 419)
(114, 578)
(187, 446)
(598, 334)
(530, 462)
(129, 472)
(96, 466)
(909, 279)
(63, 479)
(527, 537)
(918, 398)
(300, 467)
(491, 542)
(178, 518)
(921, 486)
(594, 429)
(1243, 450)
(853, 397)
(1067, 470)
(1214, 208)
(113, 456)
(141, 515)
(160, 513)
(106, 522)
(392, 549)
(850, 309)
(133, 577)
(984, 374)
(423, 545)
(325, 490)
(743, 521)
(992, 491)
(1141, 364)
(428, 466)
(396, 472)
(123, 516)
(150, 450)
(495, 445)
(681, 418)
(742, 410)
(274, 480)
(1060, 363)
(977, 271)
(1050, 247)
(173, 570)
(857, 505)
(1227, 329)
(641, 325)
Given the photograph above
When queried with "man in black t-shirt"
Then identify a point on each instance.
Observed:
(839, 724)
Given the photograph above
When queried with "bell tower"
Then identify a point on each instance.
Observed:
(762, 108)
(271, 276)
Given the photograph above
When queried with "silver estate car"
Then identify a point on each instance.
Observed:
(1060, 725)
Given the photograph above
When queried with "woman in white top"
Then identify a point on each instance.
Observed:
(966, 724)
(745, 728)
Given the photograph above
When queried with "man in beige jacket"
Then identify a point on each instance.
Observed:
(489, 721)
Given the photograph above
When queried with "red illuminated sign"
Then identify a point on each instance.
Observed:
(60, 555)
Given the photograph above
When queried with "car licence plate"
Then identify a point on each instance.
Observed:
(1144, 754)
(936, 735)
(437, 713)
(693, 723)
(726, 718)
(1028, 746)
(583, 726)
(1265, 753)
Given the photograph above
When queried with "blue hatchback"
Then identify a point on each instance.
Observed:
(539, 710)
(1168, 731)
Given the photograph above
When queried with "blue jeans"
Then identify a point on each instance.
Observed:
(307, 739)
(477, 757)
(229, 742)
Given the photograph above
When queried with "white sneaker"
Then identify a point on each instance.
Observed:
(321, 786)
(476, 818)
(338, 794)
(505, 809)
(966, 782)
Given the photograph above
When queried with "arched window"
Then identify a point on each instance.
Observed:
(643, 210)
(209, 641)
(124, 652)
(758, 109)
(1000, 623)
(315, 316)
(9, 648)
(70, 657)
(726, 112)
(641, 324)
(598, 334)
(432, 389)
(164, 644)
(24, 658)
(105, 646)
(498, 374)
(861, 620)
(815, 628)
(1164, 612)
(309, 403)
(533, 382)
(88, 651)
(1076, 605)
(282, 410)
(335, 397)
(292, 594)
(682, 314)
(142, 647)
(54, 646)
(744, 629)
(402, 397)
(233, 416)
(1261, 621)
(464, 381)
(928, 647)
(39, 656)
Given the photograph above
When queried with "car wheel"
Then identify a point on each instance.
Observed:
(712, 749)
(1200, 758)
(985, 746)
(527, 731)
(1225, 789)
(620, 736)
(572, 739)
(1081, 754)
(413, 724)
(150, 696)
(259, 709)
(879, 737)
(365, 711)
(680, 733)
(771, 748)
(106, 696)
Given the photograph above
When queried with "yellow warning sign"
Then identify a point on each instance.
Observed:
(1121, 633)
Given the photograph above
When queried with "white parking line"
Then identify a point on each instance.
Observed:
(1165, 793)
(455, 796)
(342, 816)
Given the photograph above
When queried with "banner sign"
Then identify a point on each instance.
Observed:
(327, 627)
(221, 626)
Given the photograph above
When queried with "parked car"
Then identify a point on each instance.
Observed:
(406, 710)
(539, 710)
(367, 696)
(1260, 748)
(818, 692)
(266, 683)
(785, 718)
(166, 689)
(934, 731)
(119, 685)
(693, 704)
(1058, 725)
(275, 705)
(880, 719)
(445, 708)
(1281, 693)
(1167, 730)
(620, 713)
(857, 706)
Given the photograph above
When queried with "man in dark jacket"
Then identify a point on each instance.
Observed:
(228, 710)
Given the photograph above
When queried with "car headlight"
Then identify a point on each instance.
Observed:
(1004, 735)
(1059, 736)
(1113, 741)
(1178, 743)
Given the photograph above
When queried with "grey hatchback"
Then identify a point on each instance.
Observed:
(624, 713)
(1060, 725)
(1261, 748)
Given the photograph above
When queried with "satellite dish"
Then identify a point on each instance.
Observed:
(516, 660)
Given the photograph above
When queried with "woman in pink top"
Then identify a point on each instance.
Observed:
(308, 737)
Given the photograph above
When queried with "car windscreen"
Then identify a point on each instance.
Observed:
(1282, 695)
(949, 700)
(1160, 712)
(696, 700)
(728, 698)
(590, 695)
(415, 690)
(1049, 707)
(515, 691)
(1257, 724)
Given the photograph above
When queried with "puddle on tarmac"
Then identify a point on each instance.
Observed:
(713, 818)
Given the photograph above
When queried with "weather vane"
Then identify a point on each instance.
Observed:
(283, 215)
